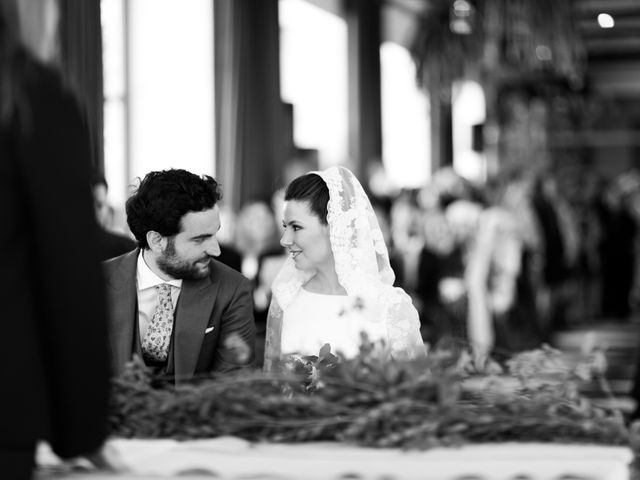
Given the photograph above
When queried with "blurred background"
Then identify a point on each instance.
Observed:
(499, 140)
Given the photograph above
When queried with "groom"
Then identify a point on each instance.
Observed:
(170, 302)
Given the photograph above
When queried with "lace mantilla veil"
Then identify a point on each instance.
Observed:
(363, 269)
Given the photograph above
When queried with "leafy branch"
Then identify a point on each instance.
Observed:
(376, 401)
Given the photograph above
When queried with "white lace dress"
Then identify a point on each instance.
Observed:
(314, 319)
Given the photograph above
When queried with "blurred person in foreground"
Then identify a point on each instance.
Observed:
(53, 361)
(183, 312)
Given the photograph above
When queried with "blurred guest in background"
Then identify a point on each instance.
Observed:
(406, 237)
(171, 302)
(53, 361)
(262, 256)
(555, 268)
(440, 284)
(110, 243)
(229, 254)
(456, 287)
(617, 246)
(448, 238)
(257, 239)
(496, 280)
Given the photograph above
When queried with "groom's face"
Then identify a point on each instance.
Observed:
(188, 254)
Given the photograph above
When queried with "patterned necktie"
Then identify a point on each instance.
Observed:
(155, 344)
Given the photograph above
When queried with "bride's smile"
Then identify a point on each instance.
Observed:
(294, 253)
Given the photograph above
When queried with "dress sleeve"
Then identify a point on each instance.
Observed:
(403, 328)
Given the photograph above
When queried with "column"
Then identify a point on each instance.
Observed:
(365, 125)
(250, 141)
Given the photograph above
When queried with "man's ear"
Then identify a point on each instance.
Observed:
(157, 243)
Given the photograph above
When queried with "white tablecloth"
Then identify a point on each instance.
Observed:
(234, 459)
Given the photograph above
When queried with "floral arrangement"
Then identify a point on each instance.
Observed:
(445, 399)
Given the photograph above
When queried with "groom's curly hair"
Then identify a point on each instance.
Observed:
(164, 197)
(310, 188)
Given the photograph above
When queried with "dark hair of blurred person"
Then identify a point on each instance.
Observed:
(110, 244)
(53, 362)
(163, 198)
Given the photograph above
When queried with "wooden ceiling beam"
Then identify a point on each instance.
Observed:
(612, 7)
(623, 26)
(621, 44)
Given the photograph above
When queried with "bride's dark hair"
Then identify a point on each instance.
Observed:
(310, 188)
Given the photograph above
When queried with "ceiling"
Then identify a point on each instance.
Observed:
(605, 45)
(613, 54)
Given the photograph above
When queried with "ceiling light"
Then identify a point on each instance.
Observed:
(461, 17)
(605, 20)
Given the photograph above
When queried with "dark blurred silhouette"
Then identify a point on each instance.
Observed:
(617, 251)
(229, 254)
(230, 257)
(110, 244)
(53, 361)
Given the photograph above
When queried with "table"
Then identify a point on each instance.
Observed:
(231, 458)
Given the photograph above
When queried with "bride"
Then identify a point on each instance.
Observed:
(337, 282)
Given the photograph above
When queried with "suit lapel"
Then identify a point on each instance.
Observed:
(123, 306)
(192, 317)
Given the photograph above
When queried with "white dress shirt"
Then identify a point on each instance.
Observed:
(146, 282)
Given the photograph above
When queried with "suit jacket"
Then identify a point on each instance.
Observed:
(53, 358)
(208, 312)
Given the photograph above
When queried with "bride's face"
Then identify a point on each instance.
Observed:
(305, 237)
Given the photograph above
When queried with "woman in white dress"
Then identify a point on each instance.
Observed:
(337, 282)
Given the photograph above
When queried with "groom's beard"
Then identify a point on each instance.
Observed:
(174, 266)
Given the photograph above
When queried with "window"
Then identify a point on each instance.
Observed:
(115, 98)
(158, 87)
(468, 110)
(406, 138)
(313, 62)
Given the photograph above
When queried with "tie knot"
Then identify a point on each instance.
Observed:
(164, 290)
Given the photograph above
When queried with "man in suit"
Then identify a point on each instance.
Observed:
(171, 302)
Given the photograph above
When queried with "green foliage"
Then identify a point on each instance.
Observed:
(373, 400)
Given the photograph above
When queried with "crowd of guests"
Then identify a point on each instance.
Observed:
(508, 263)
